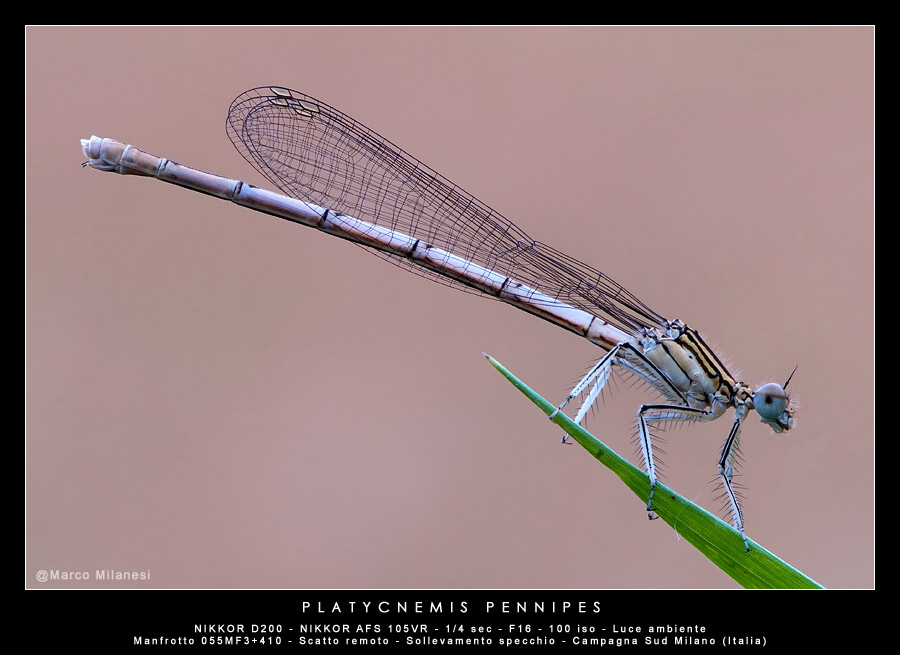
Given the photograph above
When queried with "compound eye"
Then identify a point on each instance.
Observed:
(770, 401)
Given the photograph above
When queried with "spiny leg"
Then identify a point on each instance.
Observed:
(602, 378)
(598, 377)
(726, 471)
(648, 414)
(647, 453)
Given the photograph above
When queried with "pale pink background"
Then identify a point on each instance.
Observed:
(229, 400)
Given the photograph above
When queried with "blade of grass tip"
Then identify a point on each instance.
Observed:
(717, 540)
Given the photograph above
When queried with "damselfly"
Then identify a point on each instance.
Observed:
(344, 179)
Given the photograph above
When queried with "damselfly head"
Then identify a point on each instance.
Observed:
(773, 404)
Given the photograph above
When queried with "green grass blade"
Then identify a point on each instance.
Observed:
(718, 541)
